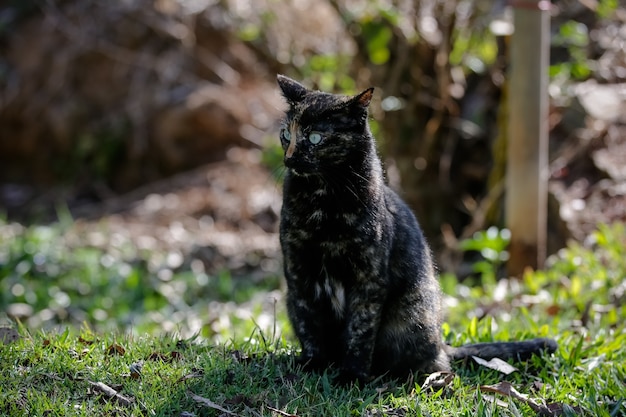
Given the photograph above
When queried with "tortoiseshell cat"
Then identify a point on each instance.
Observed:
(362, 293)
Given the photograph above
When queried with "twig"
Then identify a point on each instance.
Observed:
(110, 393)
(210, 404)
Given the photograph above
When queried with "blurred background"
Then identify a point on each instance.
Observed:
(140, 166)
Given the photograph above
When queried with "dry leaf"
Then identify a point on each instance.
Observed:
(209, 403)
(438, 380)
(135, 370)
(537, 386)
(496, 401)
(116, 349)
(110, 393)
(553, 310)
(85, 341)
(505, 388)
(497, 364)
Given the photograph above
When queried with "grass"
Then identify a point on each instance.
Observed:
(67, 274)
(579, 300)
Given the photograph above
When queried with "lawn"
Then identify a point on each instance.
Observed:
(245, 366)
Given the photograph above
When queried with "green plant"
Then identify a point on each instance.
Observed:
(492, 245)
(574, 37)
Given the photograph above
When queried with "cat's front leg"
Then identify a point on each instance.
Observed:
(365, 311)
(309, 332)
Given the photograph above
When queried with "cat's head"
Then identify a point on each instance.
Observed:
(323, 131)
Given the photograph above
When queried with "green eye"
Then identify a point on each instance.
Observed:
(315, 138)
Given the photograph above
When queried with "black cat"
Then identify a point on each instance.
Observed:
(362, 292)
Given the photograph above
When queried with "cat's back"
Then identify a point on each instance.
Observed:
(408, 239)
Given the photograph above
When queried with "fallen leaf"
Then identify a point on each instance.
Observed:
(116, 349)
(537, 385)
(110, 393)
(553, 310)
(494, 400)
(8, 335)
(505, 388)
(497, 364)
(438, 380)
(135, 369)
(85, 341)
(208, 403)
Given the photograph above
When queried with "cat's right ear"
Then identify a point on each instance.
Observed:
(292, 90)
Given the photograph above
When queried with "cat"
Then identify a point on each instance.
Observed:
(362, 292)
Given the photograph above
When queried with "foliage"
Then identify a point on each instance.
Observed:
(474, 50)
(492, 245)
(607, 7)
(574, 37)
(328, 73)
(582, 286)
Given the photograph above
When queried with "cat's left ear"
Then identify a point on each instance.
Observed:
(364, 98)
(292, 90)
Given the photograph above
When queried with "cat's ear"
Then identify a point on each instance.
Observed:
(292, 90)
(364, 98)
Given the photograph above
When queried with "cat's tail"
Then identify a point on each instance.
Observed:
(519, 351)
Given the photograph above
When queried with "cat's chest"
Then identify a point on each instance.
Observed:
(316, 209)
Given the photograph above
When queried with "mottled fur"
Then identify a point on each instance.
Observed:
(362, 292)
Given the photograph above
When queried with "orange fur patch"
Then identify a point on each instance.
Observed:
(292, 142)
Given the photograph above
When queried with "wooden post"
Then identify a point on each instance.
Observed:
(527, 164)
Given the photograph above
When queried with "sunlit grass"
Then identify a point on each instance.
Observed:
(52, 276)
(578, 300)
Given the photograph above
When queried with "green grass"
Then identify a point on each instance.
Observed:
(578, 300)
(67, 274)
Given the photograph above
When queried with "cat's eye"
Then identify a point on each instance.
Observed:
(285, 135)
(315, 138)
